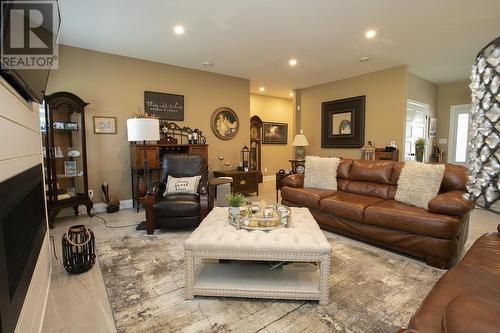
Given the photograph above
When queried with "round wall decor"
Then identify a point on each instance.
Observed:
(224, 123)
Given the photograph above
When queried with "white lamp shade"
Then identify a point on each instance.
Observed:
(143, 129)
(300, 141)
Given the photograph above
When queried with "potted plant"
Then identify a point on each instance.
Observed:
(419, 149)
(235, 201)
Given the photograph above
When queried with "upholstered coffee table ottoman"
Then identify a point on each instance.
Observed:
(245, 272)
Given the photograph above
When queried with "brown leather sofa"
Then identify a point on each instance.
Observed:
(467, 297)
(363, 207)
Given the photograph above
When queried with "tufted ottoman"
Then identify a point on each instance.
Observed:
(245, 274)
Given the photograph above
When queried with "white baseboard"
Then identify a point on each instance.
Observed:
(269, 178)
(101, 207)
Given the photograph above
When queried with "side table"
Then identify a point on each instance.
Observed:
(245, 182)
(279, 177)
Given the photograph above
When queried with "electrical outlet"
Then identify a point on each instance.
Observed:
(91, 194)
(265, 171)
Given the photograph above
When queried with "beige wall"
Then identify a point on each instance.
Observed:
(450, 94)
(421, 90)
(384, 115)
(115, 85)
(274, 109)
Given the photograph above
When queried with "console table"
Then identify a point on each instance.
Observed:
(154, 153)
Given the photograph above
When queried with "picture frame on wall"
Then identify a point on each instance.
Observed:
(343, 123)
(165, 106)
(274, 133)
(224, 123)
(432, 127)
(104, 125)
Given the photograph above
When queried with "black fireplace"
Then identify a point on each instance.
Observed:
(22, 229)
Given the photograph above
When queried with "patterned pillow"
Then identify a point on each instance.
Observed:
(321, 172)
(419, 183)
(184, 185)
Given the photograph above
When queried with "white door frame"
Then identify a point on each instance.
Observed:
(427, 114)
(452, 132)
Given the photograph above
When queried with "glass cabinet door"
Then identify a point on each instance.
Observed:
(67, 154)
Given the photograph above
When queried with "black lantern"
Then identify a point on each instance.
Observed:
(245, 157)
(78, 249)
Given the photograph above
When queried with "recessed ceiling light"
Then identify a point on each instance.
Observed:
(261, 89)
(292, 62)
(364, 59)
(208, 64)
(291, 94)
(370, 33)
(179, 29)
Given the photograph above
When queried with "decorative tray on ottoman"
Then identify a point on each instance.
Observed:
(261, 217)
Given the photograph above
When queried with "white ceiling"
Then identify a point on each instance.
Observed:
(254, 39)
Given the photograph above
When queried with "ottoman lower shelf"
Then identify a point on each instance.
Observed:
(255, 280)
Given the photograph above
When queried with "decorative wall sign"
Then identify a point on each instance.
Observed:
(224, 123)
(275, 133)
(104, 125)
(165, 106)
(343, 123)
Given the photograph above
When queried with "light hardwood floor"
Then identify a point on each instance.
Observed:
(79, 303)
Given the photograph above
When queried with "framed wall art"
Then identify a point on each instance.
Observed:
(432, 127)
(165, 106)
(224, 123)
(275, 133)
(343, 123)
(104, 125)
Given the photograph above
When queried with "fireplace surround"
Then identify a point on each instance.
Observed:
(22, 230)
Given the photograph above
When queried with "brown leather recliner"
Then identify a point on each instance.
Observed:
(467, 297)
(363, 207)
(180, 210)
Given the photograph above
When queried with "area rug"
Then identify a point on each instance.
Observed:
(372, 290)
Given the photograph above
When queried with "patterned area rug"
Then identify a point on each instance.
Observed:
(372, 290)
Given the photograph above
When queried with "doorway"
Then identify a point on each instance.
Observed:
(459, 133)
(417, 114)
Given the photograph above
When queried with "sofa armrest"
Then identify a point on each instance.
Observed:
(294, 180)
(471, 314)
(451, 203)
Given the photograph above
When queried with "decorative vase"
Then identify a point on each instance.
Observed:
(235, 211)
(78, 249)
(419, 153)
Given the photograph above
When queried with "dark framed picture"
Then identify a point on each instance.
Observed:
(104, 125)
(343, 123)
(224, 123)
(72, 126)
(432, 127)
(165, 106)
(58, 125)
(275, 133)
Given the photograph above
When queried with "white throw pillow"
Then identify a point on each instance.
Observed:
(419, 183)
(321, 172)
(184, 185)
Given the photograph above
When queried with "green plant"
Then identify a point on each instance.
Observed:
(235, 200)
(420, 143)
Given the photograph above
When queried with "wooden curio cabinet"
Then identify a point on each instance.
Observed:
(64, 151)
(256, 145)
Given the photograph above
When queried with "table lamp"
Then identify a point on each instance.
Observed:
(300, 142)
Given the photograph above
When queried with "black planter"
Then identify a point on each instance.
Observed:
(78, 249)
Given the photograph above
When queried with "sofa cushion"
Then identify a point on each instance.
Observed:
(177, 205)
(307, 197)
(371, 171)
(419, 183)
(321, 172)
(366, 188)
(399, 216)
(347, 205)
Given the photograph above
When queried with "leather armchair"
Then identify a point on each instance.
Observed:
(179, 210)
